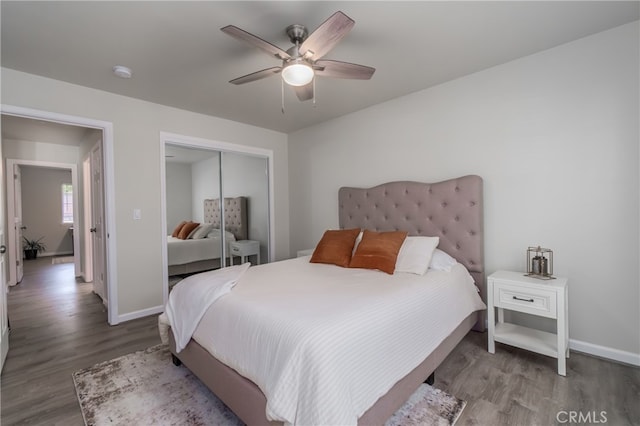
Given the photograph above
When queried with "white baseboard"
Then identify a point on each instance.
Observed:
(605, 352)
(140, 314)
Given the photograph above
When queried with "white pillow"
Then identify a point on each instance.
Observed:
(441, 261)
(415, 254)
(215, 233)
(201, 231)
(356, 243)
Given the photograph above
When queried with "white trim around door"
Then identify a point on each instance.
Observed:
(109, 188)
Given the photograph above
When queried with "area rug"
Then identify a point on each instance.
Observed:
(145, 388)
(62, 259)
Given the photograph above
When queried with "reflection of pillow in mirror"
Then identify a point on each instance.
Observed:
(201, 231)
(215, 233)
(186, 230)
(177, 229)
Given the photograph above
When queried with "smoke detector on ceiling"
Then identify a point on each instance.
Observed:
(122, 71)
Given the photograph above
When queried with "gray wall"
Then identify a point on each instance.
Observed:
(555, 137)
(42, 208)
(136, 158)
(246, 176)
(205, 183)
(179, 196)
(243, 175)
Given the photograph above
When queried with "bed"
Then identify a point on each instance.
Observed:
(187, 256)
(451, 210)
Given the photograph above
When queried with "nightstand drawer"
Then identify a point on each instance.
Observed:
(235, 250)
(531, 301)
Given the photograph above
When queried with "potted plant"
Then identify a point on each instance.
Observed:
(32, 247)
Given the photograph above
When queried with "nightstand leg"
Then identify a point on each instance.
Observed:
(491, 321)
(562, 334)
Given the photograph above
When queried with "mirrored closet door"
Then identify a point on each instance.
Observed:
(205, 230)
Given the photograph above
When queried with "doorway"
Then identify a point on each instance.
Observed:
(104, 139)
(43, 210)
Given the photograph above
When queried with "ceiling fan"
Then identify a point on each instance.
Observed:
(302, 62)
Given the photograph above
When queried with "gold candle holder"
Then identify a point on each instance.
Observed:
(540, 263)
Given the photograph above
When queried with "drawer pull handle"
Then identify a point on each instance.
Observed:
(523, 300)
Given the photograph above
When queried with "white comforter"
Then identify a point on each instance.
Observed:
(180, 251)
(191, 297)
(323, 343)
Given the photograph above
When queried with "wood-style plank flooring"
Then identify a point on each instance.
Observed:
(59, 326)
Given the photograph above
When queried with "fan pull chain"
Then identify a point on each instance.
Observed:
(282, 93)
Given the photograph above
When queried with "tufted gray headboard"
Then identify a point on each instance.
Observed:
(451, 210)
(235, 215)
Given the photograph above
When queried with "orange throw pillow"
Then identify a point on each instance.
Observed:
(378, 250)
(335, 247)
(177, 229)
(186, 230)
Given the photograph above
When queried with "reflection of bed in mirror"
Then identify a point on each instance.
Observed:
(186, 256)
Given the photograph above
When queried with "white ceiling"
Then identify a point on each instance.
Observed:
(180, 57)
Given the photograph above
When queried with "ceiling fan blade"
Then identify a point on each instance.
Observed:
(326, 36)
(305, 92)
(339, 69)
(256, 75)
(255, 41)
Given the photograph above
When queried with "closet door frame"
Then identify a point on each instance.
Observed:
(213, 145)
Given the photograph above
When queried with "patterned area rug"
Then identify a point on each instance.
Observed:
(145, 388)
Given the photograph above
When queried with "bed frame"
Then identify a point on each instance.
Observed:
(452, 210)
(235, 221)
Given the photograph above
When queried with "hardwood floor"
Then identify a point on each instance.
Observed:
(59, 326)
(517, 387)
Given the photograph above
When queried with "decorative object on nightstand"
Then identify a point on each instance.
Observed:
(540, 263)
(244, 249)
(550, 299)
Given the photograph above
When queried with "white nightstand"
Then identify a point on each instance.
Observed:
(245, 248)
(546, 298)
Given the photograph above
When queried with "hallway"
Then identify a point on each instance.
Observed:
(58, 326)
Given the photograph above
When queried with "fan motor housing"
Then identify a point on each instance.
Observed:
(297, 33)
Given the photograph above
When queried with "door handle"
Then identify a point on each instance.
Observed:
(23, 227)
(3, 249)
(92, 229)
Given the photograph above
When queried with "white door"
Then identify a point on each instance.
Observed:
(17, 205)
(97, 226)
(4, 318)
(87, 236)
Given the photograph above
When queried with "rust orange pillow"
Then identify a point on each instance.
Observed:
(335, 247)
(177, 229)
(186, 230)
(378, 250)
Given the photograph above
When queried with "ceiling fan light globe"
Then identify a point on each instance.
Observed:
(297, 74)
